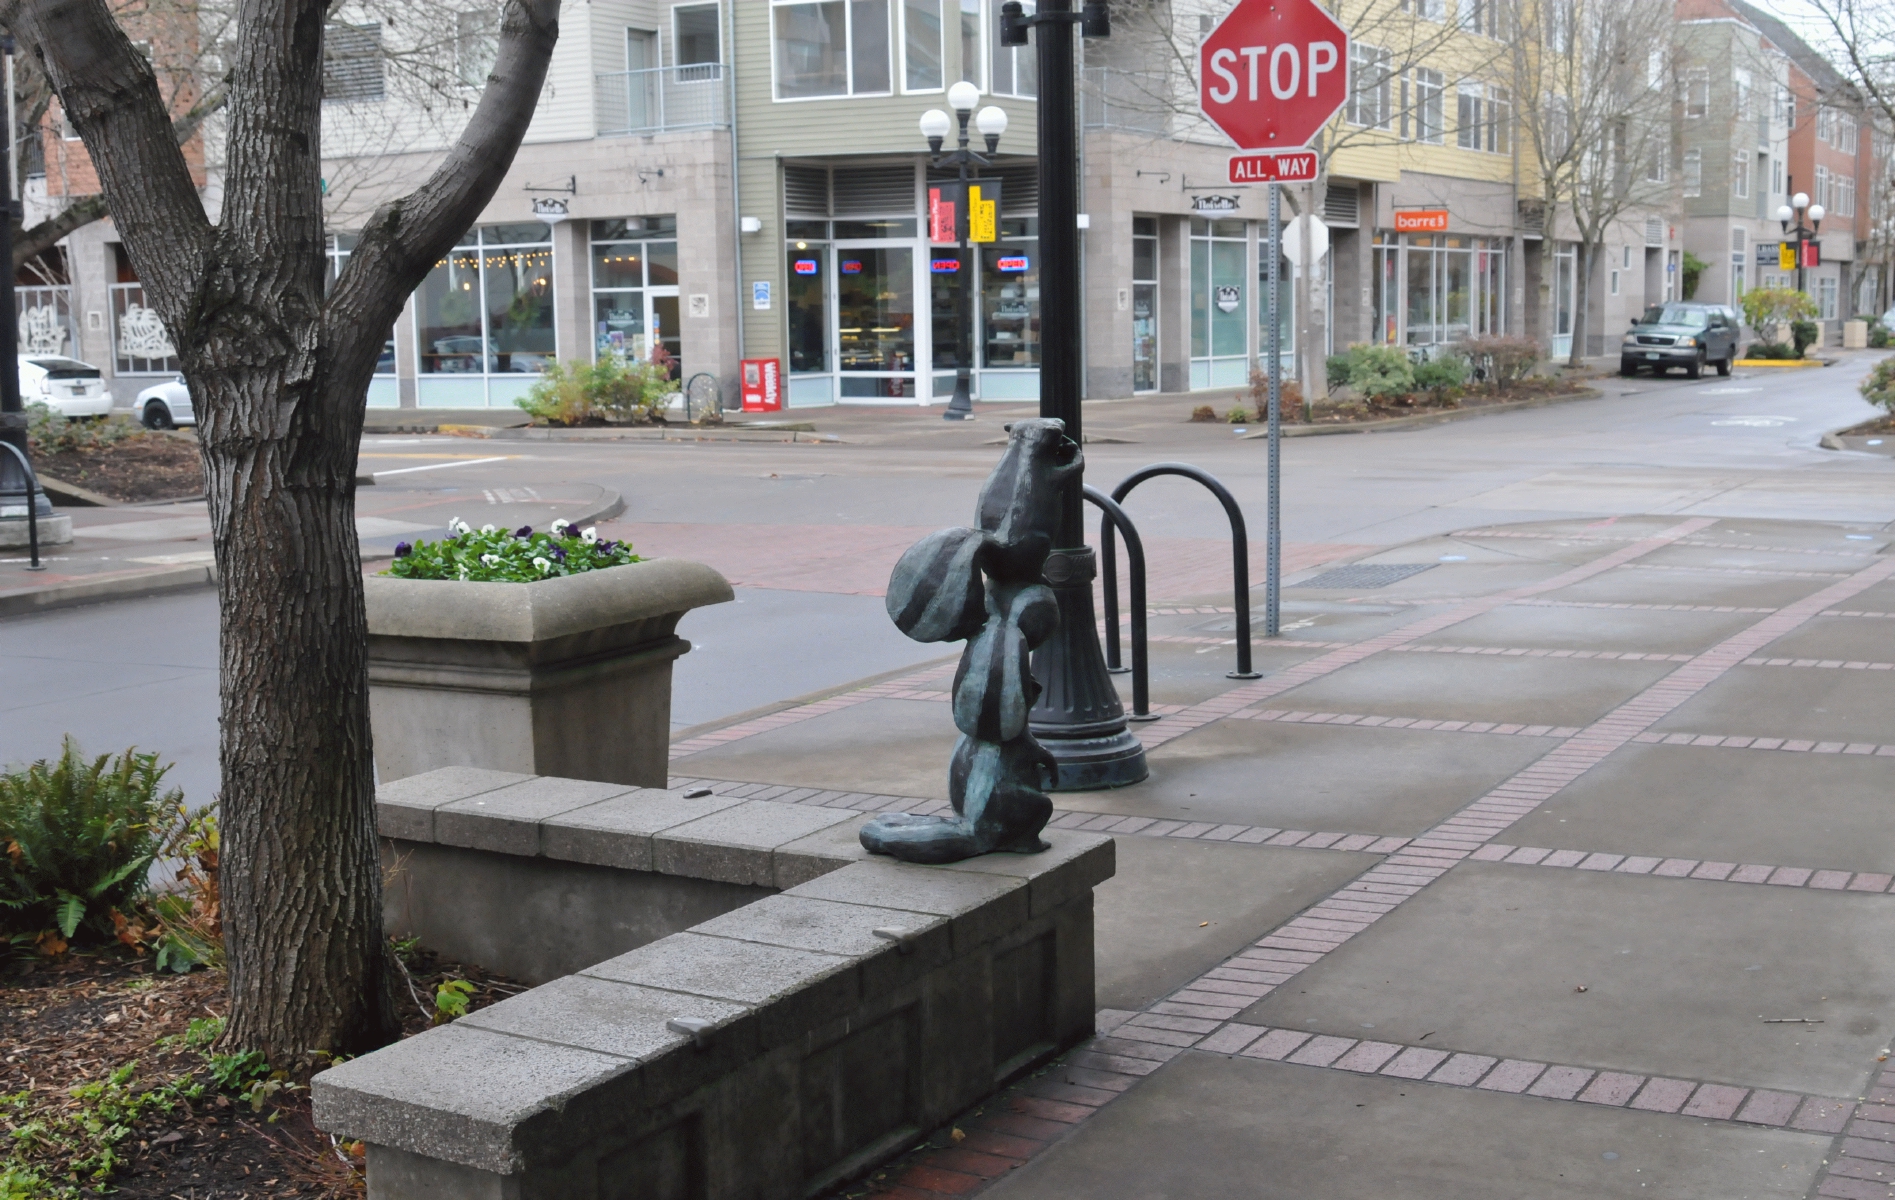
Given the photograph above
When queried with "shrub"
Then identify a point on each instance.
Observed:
(1771, 351)
(1336, 367)
(1289, 393)
(1501, 358)
(1204, 412)
(1238, 415)
(47, 432)
(1803, 333)
(491, 555)
(78, 838)
(1764, 307)
(1878, 336)
(1692, 269)
(1380, 371)
(612, 388)
(1439, 375)
(1879, 387)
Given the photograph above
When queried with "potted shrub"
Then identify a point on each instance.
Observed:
(547, 653)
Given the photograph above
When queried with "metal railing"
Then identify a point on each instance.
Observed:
(662, 99)
(33, 494)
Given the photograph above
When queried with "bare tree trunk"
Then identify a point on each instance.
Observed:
(280, 372)
(1582, 299)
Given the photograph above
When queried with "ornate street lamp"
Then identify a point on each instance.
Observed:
(1798, 206)
(1079, 717)
(935, 126)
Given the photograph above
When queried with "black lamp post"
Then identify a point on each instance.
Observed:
(13, 479)
(1798, 206)
(935, 124)
(1079, 717)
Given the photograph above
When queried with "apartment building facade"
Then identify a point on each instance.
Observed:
(747, 180)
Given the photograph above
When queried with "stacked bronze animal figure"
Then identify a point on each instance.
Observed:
(983, 585)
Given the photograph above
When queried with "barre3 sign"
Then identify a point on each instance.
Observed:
(1273, 73)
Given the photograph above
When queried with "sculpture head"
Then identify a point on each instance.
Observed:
(1021, 499)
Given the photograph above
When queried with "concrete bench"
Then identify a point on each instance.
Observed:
(741, 1002)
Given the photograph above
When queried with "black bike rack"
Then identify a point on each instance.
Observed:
(1110, 515)
(1108, 570)
(33, 492)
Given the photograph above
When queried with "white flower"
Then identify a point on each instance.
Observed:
(543, 565)
(560, 526)
(492, 560)
(456, 526)
(488, 529)
(591, 536)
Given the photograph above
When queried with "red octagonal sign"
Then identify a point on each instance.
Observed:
(1273, 73)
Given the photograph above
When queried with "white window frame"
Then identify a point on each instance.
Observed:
(1692, 170)
(1426, 89)
(978, 77)
(1013, 75)
(1740, 174)
(1696, 81)
(848, 56)
(901, 36)
(1381, 62)
(717, 10)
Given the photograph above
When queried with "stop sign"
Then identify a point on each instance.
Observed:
(1273, 73)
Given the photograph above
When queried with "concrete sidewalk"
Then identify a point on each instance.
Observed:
(1351, 952)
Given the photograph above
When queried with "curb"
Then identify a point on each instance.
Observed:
(1424, 419)
(1783, 363)
(135, 585)
(71, 495)
(127, 586)
(799, 432)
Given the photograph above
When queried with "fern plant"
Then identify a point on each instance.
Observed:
(77, 838)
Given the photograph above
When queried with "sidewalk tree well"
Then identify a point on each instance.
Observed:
(279, 372)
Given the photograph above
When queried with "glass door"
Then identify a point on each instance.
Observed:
(1144, 304)
(875, 321)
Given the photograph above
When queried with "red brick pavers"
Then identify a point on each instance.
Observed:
(889, 689)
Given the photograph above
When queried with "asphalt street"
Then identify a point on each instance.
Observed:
(144, 672)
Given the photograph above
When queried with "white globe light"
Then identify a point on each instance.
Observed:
(963, 96)
(1800, 201)
(936, 124)
(1816, 213)
(1784, 214)
(991, 120)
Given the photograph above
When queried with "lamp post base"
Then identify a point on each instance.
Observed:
(1079, 718)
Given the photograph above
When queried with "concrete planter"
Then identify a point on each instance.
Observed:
(568, 676)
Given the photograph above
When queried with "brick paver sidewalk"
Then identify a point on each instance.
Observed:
(1650, 941)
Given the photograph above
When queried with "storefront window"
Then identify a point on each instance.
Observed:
(808, 275)
(875, 320)
(382, 391)
(1144, 304)
(1434, 290)
(1285, 306)
(1010, 296)
(1219, 354)
(487, 308)
(140, 343)
(1565, 299)
(635, 287)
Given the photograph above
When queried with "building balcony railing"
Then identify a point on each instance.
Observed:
(663, 99)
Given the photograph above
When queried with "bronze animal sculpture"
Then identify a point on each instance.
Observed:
(983, 585)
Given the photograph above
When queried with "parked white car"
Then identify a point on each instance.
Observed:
(65, 385)
(165, 406)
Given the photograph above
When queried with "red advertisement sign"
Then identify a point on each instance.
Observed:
(762, 385)
(1421, 220)
(1295, 167)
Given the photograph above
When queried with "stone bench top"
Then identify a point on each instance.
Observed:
(547, 1067)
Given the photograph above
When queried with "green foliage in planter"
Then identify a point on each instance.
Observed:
(1336, 367)
(490, 555)
(1771, 351)
(1378, 371)
(47, 432)
(76, 840)
(1879, 387)
(1878, 336)
(1803, 333)
(1692, 269)
(613, 388)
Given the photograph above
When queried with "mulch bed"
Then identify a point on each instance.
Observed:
(1872, 426)
(75, 1021)
(145, 466)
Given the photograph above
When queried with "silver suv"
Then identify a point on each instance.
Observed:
(1680, 334)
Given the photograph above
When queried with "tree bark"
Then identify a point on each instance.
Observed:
(280, 373)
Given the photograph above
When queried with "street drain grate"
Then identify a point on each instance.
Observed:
(1364, 575)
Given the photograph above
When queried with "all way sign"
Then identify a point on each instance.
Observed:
(1296, 166)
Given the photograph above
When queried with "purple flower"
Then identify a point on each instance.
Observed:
(606, 547)
(403, 549)
(559, 552)
(523, 531)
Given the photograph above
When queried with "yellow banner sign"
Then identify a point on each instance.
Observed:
(1786, 257)
(983, 214)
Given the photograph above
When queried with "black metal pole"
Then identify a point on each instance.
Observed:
(1079, 718)
(12, 410)
(962, 406)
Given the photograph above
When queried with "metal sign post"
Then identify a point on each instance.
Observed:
(1273, 519)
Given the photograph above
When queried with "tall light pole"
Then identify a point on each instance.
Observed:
(1798, 206)
(935, 125)
(1078, 718)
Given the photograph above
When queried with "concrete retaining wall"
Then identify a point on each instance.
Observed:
(769, 1051)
